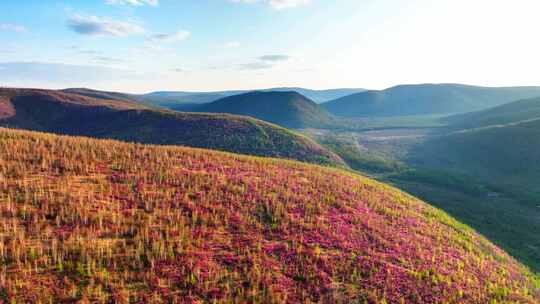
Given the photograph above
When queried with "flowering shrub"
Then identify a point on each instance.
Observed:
(96, 221)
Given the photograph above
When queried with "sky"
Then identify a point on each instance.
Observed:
(203, 45)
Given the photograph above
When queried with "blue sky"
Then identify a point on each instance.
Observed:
(145, 45)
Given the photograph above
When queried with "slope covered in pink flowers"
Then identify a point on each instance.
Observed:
(95, 221)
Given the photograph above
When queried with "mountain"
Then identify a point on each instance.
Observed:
(318, 96)
(426, 99)
(101, 221)
(288, 109)
(170, 97)
(185, 101)
(514, 112)
(72, 114)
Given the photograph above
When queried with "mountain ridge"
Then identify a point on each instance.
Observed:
(72, 114)
(424, 99)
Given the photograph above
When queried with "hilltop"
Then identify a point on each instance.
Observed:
(426, 99)
(103, 221)
(72, 114)
(288, 109)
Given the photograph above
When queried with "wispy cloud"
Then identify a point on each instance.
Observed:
(276, 4)
(264, 62)
(258, 65)
(275, 58)
(13, 28)
(96, 26)
(170, 38)
(133, 2)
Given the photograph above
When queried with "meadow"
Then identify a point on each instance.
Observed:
(100, 221)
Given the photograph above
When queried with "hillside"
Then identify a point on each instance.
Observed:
(521, 110)
(504, 155)
(63, 113)
(185, 101)
(102, 221)
(288, 109)
(426, 99)
(103, 94)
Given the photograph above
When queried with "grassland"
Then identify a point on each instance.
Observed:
(72, 114)
(100, 221)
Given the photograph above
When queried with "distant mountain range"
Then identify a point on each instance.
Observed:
(289, 109)
(171, 97)
(181, 100)
(426, 99)
(73, 114)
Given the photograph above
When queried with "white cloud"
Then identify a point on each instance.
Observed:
(95, 26)
(277, 4)
(170, 38)
(13, 28)
(133, 2)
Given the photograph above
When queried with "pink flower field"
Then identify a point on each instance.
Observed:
(97, 221)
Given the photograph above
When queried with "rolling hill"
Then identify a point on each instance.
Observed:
(514, 112)
(181, 100)
(100, 221)
(495, 169)
(505, 155)
(425, 99)
(288, 109)
(108, 95)
(72, 114)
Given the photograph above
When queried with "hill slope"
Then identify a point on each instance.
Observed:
(505, 155)
(72, 114)
(103, 221)
(180, 100)
(103, 94)
(171, 98)
(521, 110)
(426, 99)
(288, 109)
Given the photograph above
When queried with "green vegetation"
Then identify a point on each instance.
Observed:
(485, 177)
(72, 114)
(426, 99)
(100, 221)
(288, 109)
(363, 161)
(511, 113)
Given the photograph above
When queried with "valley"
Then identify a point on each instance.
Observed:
(485, 182)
